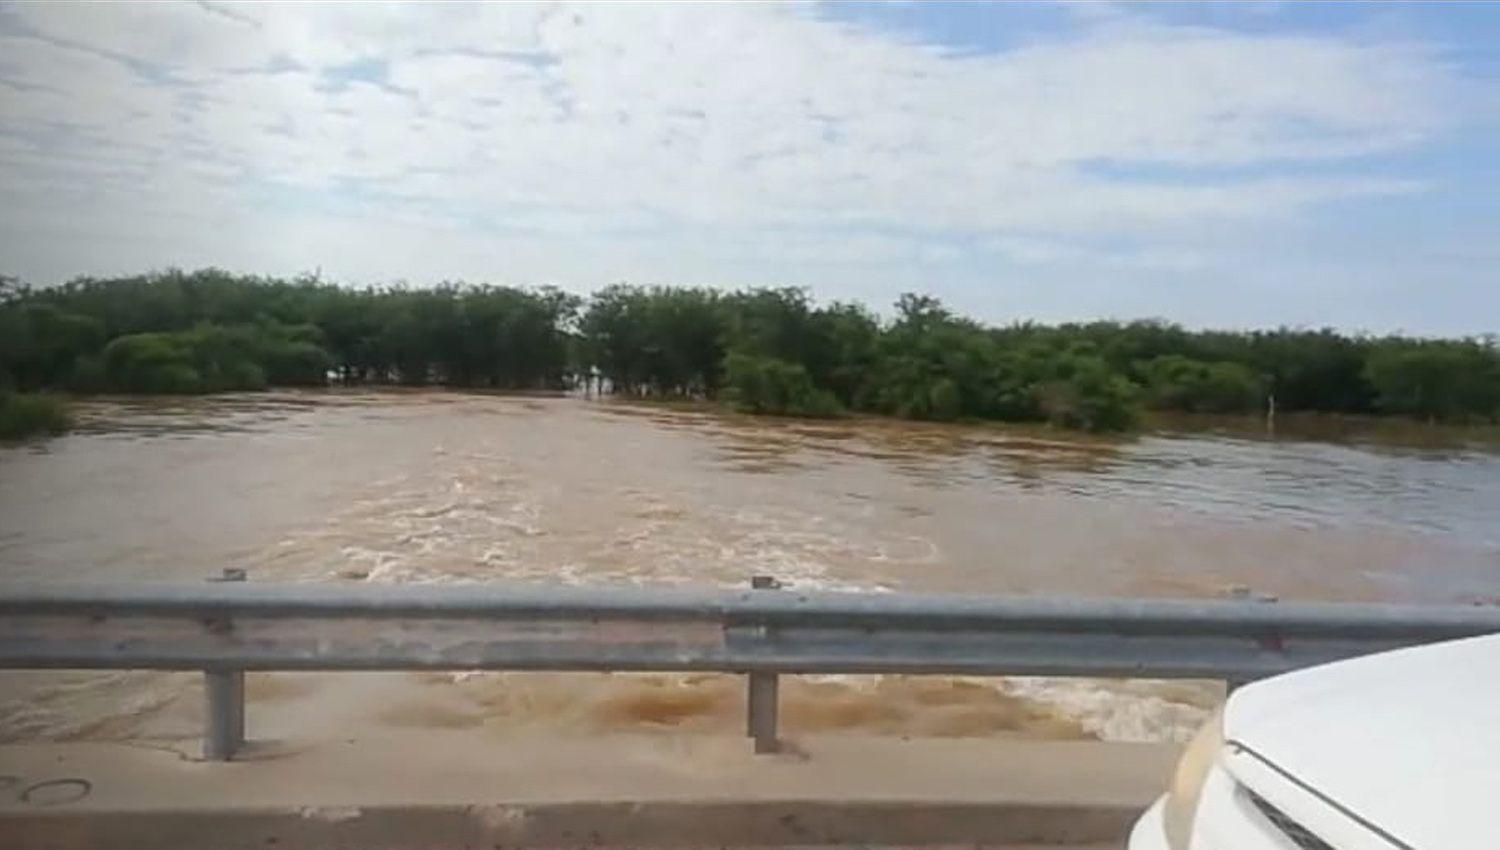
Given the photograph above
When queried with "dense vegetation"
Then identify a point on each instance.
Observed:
(770, 351)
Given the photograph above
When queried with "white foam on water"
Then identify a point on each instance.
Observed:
(1138, 710)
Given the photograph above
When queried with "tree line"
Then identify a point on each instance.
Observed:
(769, 351)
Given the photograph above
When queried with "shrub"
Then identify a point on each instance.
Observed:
(151, 363)
(774, 386)
(1174, 382)
(1087, 394)
(206, 359)
(29, 414)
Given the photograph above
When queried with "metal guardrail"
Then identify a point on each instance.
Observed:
(227, 628)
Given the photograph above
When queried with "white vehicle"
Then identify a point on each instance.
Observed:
(1396, 751)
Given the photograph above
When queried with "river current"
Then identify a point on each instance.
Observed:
(429, 486)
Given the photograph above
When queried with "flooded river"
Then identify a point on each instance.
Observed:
(445, 487)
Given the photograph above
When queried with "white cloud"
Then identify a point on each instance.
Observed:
(593, 125)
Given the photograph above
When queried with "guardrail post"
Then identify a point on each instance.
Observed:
(224, 700)
(224, 730)
(764, 690)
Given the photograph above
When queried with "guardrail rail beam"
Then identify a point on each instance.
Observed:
(225, 628)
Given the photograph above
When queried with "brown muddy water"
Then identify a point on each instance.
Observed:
(446, 487)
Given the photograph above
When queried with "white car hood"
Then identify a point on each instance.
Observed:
(1408, 741)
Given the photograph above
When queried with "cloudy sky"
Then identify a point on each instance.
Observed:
(1218, 165)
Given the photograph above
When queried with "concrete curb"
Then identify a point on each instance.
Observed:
(654, 824)
(468, 789)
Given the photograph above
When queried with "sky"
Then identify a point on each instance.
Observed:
(1219, 165)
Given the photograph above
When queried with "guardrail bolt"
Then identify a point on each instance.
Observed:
(764, 702)
(224, 700)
